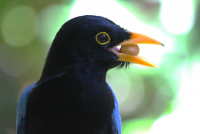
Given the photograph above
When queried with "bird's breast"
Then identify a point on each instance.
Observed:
(69, 107)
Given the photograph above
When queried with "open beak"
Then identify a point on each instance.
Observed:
(131, 44)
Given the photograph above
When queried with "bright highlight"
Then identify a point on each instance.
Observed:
(177, 16)
(186, 119)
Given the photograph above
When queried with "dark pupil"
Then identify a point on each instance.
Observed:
(102, 38)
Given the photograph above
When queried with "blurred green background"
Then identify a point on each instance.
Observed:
(163, 100)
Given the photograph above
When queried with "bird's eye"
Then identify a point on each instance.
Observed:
(102, 38)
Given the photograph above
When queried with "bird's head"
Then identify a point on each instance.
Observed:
(94, 41)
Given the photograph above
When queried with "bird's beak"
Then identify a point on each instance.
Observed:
(129, 54)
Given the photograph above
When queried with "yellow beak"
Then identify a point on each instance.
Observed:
(133, 41)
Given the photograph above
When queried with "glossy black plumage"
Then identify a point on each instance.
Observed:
(75, 46)
(84, 106)
(72, 96)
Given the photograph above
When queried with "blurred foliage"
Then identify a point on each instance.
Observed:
(150, 98)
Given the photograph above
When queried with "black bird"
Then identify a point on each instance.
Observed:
(72, 96)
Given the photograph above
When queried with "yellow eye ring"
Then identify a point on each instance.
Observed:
(105, 36)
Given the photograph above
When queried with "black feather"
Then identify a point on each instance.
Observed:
(72, 95)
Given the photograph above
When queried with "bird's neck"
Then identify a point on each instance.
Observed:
(84, 71)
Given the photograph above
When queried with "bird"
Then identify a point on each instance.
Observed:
(72, 95)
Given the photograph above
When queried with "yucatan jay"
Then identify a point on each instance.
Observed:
(72, 96)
